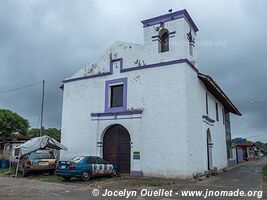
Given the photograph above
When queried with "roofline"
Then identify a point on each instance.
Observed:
(123, 70)
(169, 17)
(12, 142)
(15, 138)
(220, 91)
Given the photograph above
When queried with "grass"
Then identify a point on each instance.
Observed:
(42, 177)
(264, 173)
(39, 176)
(3, 171)
(153, 183)
(12, 172)
(47, 178)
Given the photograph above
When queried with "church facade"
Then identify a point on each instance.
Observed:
(147, 107)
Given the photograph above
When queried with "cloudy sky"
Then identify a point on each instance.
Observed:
(51, 40)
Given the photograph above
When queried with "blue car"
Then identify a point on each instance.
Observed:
(85, 167)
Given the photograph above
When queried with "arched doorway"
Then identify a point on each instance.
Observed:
(209, 150)
(117, 147)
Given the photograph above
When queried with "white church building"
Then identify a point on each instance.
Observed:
(147, 108)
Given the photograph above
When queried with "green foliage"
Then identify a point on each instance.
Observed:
(50, 178)
(240, 141)
(51, 132)
(11, 122)
(3, 171)
(264, 173)
(261, 145)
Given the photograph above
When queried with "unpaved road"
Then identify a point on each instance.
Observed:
(245, 177)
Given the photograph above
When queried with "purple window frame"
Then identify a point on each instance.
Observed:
(120, 81)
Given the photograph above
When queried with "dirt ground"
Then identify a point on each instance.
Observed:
(25, 188)
(247, 176)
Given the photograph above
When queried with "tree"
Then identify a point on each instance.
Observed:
(11, 122)
(51, 132)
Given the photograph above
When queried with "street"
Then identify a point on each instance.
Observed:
(246, 177)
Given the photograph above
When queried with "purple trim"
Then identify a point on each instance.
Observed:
(161, 64)
(112, 62)
(206, 117)
(231, 162)
(171, 36)
(208, 123)
(100, 74)
(169, 17)
(127, 112)
(115, 60)
(87, 77)
(107, 86)
(157, 36)
(137, 173)
(114, 117)
(133, 69)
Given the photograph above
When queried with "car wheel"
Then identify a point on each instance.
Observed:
(85, 176)
(114, 172)
(51, 172)
(66, 178)
(25, 172)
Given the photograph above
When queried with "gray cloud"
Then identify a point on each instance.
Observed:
(51, 40)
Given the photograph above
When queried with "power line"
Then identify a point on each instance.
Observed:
(259, 137)
(255, 139)
(40, 117)
(19, 88)
(252, 102)
(264, 134)
(263, 139)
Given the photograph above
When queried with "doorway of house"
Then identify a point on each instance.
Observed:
(117, 147)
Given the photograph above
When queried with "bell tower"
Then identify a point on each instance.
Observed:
(172, 36)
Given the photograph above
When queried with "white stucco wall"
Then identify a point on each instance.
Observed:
(217, 134)
(162, 122)
(197, 130)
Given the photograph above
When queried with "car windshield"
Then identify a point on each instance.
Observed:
(77, 159)
(42, 155)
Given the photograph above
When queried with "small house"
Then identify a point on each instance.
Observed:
(8, 146)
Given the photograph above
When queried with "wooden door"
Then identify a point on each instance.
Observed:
(116, 148)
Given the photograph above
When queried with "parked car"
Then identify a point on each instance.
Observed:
(38, 161)
(85, 167)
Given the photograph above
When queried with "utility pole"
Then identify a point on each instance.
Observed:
(42, 109)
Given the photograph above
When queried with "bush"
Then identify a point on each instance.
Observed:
(264, 173)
